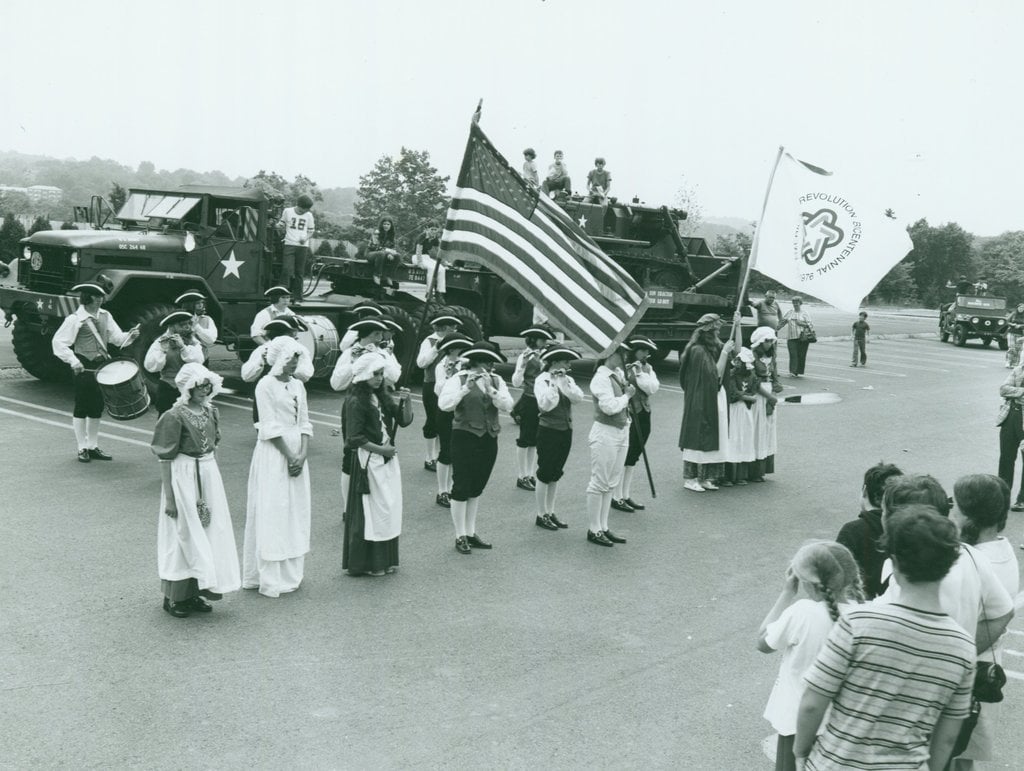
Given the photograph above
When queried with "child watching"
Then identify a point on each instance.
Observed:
(860, 339)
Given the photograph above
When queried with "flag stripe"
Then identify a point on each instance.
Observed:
(532, 244)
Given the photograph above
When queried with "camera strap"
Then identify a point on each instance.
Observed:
(981, 598)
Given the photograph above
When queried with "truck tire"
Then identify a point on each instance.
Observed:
(1004, 344)
(658, 356)
(512, 312)
(943, 333)
(471, 325)
(405, 340)
(986, 340)
(35, 353)
(960, 335)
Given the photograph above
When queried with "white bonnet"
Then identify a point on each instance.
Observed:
(191, 374)
(760, 335)
(281, 350)
(368, 363)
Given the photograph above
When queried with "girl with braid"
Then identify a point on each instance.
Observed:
(821, 582)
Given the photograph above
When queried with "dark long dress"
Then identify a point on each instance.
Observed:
(698, 377)
(361, 423)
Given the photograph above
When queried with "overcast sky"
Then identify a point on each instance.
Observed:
(921, 97)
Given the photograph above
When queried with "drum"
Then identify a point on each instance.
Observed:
(321, 340)
(124, 391)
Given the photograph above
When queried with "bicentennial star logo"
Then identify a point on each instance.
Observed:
(819, 233)
(231, 265)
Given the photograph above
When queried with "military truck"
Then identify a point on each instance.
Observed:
(684, 279)
(218, 240)
(974, 316)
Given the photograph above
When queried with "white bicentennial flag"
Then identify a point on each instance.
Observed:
(825, 235)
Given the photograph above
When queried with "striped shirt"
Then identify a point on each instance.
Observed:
(891, 672)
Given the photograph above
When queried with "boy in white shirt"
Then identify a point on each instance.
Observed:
(297, 224)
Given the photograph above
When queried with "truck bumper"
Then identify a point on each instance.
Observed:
(15, 301)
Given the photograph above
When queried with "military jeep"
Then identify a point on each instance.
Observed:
(974, 317)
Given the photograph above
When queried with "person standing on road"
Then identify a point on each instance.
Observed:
(279, 299)
(766, 436)
(1011, 431)
(277, 517)
(167, 354)
(556, 393)
(83, 342)
(204, 328)
(427, 357)
(196, 553)
(860, 339)
(704, 431)
(609, 442)
(769, 314)
(798, 332)
(639, 374)
(451, 349)
(373, 506)
(525, 410)
(1014, 336)
(257, 366)
(475, 395)
(861, 535)
(297, 224)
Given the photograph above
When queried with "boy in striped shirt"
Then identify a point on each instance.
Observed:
(898, 676)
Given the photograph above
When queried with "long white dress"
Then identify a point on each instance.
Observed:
(277, 516)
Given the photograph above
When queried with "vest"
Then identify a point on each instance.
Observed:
(640, 401)
(560, 418)
(530, 376)
(86, 346)
(475, 413)
(619, 419)
(172, 366)
(428, 371)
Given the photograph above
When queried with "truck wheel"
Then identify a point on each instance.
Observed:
(943, 333)
(1004, 344)
(512, 312)
(658, 356)
(960, 335)
(471, 325)
(148, 318)
(405, 340)
(986, 340)
(35, 354)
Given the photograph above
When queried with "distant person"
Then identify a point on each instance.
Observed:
(383, 255)
(769, 314)
(798, 332)
(557, 179)
(599, 182)
(530, 167)
(1014, 336)
(83, 342)
(861, 535)
(426, 257)
(898, 677)
(298, 224)
(860, 339)
(821, 582)
(1011, 430)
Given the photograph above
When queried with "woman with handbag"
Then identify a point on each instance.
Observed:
(1010, 420)
(800, 333)
(196, 554)
(277, 517)
(980, 511)
(373, 511)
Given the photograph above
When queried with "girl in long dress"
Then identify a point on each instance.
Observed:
(763, 343)
(277, 520)
(704, 431)
(196, 554)
(373, 512)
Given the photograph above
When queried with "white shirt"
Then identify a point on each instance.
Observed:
(252, 369)
(341, 377)
(205, 330)
(454, 391)
(519, 373)
(264, 317)
(64, 339)
(428, 351)
(441, 376)
(156, 357)
(601, 388)
(297, 227)
(548, 388)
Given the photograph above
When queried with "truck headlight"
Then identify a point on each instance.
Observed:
(74, 259)
(974, 320)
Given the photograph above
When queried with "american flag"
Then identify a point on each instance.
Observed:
(501, 222)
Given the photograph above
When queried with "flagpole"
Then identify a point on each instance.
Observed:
(752, 259)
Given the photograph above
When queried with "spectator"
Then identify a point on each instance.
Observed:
(530, 167)
(798, 332)
(599, 182)
(297, 224)
(898, 677)
(558, 177)
(861, 535)
(860, 339)
(1011, 430)
(769, 314)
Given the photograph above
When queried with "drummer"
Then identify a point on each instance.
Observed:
(256, 366)
(203, 327)
(174, 348)
(83, 342)
(363, 310)
(279, 297)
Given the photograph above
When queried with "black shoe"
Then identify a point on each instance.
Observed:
(443, 499)
(83, 456)
(462, 545)
(523, 483)
(97, 454)
(200, 605)
(557, 521)
(545, 522)
(634, 504)
(598, 538)
(176, 609)
(430, 465)
(613, 538)
(476, 543)
(620, 505)
(1018, 506)
(210, 595)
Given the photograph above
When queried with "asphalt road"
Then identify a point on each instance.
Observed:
(547, 652)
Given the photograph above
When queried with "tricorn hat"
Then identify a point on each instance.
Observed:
(639, 341)
(446, 318)
(542, 332)
(175, 318)
(276, 291)
(559, 352)
(484, 351)
(190, 296)
(454, 342)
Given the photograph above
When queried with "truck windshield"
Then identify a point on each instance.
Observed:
(981, 303)
(139, 207)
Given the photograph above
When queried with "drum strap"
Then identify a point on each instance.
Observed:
(95, 333)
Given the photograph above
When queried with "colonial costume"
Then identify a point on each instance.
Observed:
(426, 359)
(279, 298)
(525, 410)
(763, 342)
(196, 554)
(277, 521)
(641, 375)
(451, 348)
(475, 395)
(741, 387)
(704, 430)
(256, 366)
(556, 392)
(373, 508)
(362, 310)
(204, 328)
(609, 440)
(176, 347)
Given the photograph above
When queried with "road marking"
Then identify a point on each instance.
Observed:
(1014, 675)
(65, 426)
(882, 372)
(122, 426)
(1010, 652)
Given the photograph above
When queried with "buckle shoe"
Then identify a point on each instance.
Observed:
(545, 522)
(176, 609)
(443, 499)
(83, 456)
(475, 542)
(461, 546)
(523, 483)
(613, 538)
(97, 454)
(619, 504)
(554, 518)
(598, 538)
(634, 504)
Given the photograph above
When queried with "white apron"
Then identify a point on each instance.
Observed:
(382, 508)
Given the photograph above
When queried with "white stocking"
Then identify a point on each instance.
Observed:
(92, 428)
(444, 475)
(542, 498)
(606, 505)
(459, 517)
(531, 462)
(471, 506)
(552, 492)
(594, 512)
(80, 434)
(522, 460)
(627, 482)
(433, 448)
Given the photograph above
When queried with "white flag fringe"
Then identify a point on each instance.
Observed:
(825, 235)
